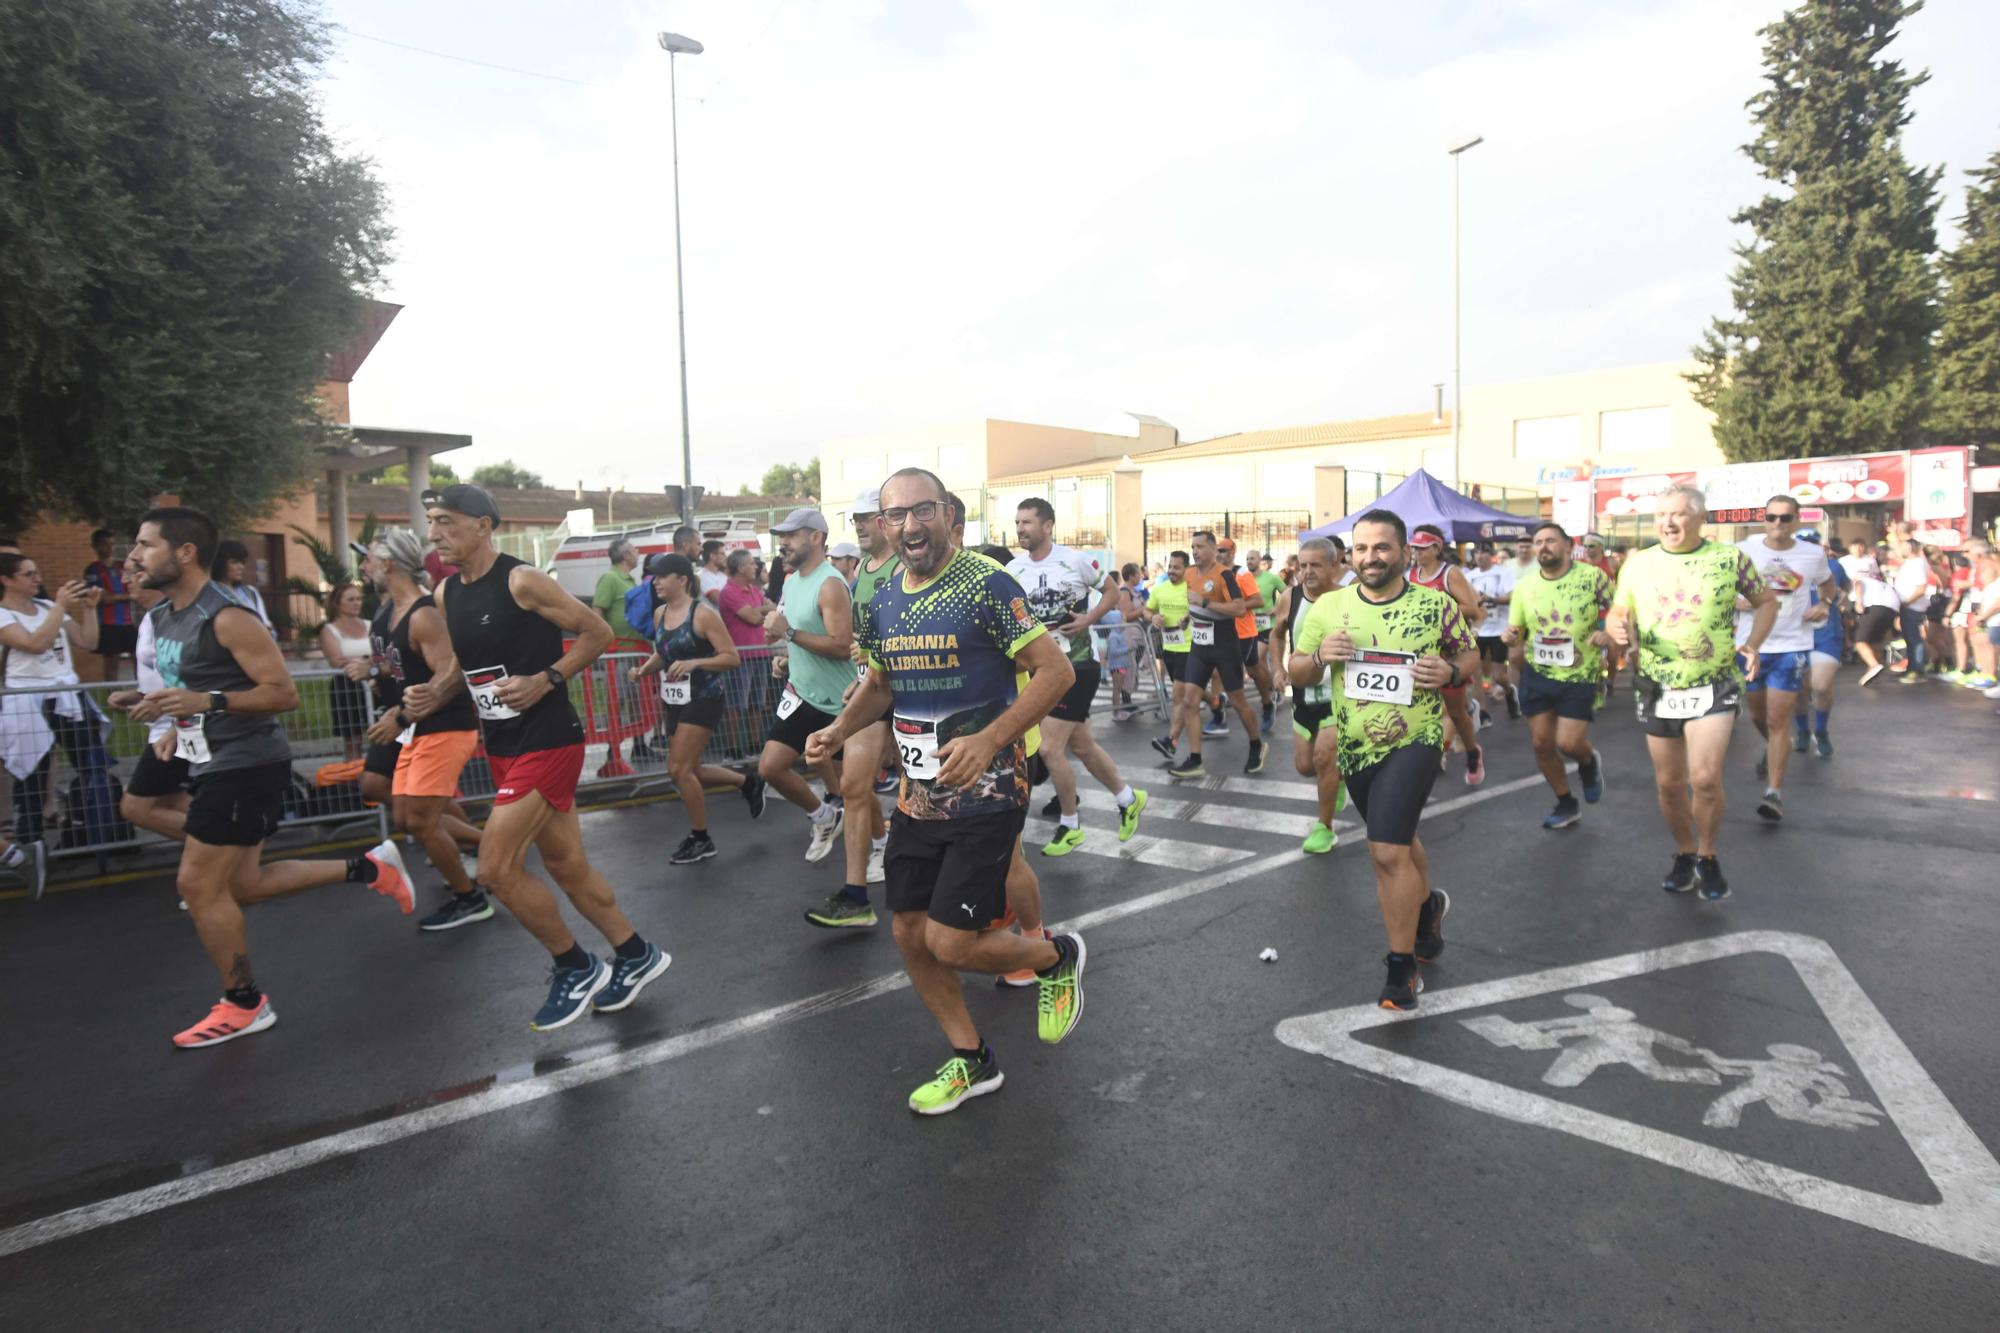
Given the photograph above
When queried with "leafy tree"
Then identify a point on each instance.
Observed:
(1967, 406)
(790, 479)
(181, 245)
(507, 475)
(1829, 350)
(398, 474)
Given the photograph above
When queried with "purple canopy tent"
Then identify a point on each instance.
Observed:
(1422, 498)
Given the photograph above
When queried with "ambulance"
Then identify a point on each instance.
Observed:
(580, 560)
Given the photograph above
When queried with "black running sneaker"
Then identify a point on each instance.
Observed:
(1053, 810)
(1430, 926)
(1400, 991)
(1681, 878)
(1513, 704)
(1165, 746)
(1708, 880)
(1189, 767)
(458, 911)
(753, 794)
(1772, 808)
(1255, 763)
(694, 847)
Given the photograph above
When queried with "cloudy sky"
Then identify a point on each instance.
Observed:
(905, 212)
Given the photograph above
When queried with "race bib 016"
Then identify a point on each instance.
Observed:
(1555, 652)
(917, 747)
(1380, 676)
(191, 739)
(483, 683)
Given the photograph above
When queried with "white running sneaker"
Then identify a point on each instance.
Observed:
(876, 851)
(825, 833)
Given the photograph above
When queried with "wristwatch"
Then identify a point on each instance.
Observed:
(557, 680)
(790, 634)
(218, 702)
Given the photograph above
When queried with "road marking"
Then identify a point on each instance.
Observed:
(1146, 849)
(1214, 816)
(501, 1097)
(1965, 1222)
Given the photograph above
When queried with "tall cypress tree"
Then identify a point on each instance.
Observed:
(1967, 403)
(1829, 351)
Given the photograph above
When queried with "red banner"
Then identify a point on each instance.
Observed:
(1859, 479)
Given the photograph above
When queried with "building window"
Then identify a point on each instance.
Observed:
(1549, 437)
(1636, 430)
(862, 470)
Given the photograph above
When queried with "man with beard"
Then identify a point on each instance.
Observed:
(1429, 569)
(1793, 570)
(1553, 634)
(1167, 609)
(224, 684)
(1315, 745)
(815, 619)
(1215, 602)
(1676, 602)
(948, 641)
(1394, 646)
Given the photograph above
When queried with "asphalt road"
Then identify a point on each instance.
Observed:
(1223, 1143)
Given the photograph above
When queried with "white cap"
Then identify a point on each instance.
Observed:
(844, 551)
(867, 500)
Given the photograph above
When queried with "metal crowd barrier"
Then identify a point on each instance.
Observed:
(1134, 650)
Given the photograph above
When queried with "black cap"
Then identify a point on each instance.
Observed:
(668, 563)
(463, 498)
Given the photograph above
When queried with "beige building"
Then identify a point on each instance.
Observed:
(1134, 496)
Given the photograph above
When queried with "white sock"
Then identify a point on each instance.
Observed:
(877, 844)
(826, 811)
(1125, 796)
(1069, 821)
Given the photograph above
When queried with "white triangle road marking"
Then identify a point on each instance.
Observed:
(1965, 1222)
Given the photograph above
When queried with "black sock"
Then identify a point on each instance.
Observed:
(1402, 959)
(470, 894)
(1566, 799)
(858, 892)
(979, 1054)
(1065, 953)
(573, 958)
(632, 948)
(360, 870)
(244, 997)
(699, 834)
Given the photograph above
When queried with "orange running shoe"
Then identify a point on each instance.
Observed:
(227, 1022)
(392, 881)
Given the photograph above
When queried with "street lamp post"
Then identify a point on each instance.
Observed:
(1459, 387)
(674, 45)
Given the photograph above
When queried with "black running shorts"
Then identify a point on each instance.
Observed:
(1493, 648)
(1575, 700)
(704, 713)
(1225, 659)
(381, 759)
(953, 869)
(792, 731)
(1646, 698)
(1389, 794)
(153, 776)
(1074, 706)
(238, 807)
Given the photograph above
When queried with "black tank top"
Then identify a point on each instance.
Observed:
(494, 638)
(409, 667)
(680, 643)
(388, 687)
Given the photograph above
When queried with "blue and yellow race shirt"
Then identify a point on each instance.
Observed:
(947, 648)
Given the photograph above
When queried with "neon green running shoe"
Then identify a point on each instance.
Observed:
(1340, 798)
(1321, 839)
(956, 1081)
(1128, 818)
(1061, 1002)
(1066, 841)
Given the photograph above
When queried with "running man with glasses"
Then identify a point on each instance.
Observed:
(1795, 571)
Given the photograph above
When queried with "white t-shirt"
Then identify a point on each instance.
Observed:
(1495, 585)
(1058, 586)
(712, 583)
(150, 678)
(49, 667)
(1790, 574)
(1912, 577)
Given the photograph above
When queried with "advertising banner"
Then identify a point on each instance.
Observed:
(1739, 487)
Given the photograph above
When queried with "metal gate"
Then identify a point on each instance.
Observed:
(1273, 532)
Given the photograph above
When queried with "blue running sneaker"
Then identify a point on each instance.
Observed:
(571, 989)
(1564, 815)
(1590, 774)
(1823, 744)
(629, 976)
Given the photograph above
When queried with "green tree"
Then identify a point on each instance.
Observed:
(1829, 349)
(1967, 405)
(181, 245)
(398, 474)
(790, 479)
(507, 475)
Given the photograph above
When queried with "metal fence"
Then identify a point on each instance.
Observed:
(1273, 532)
(1134, 681)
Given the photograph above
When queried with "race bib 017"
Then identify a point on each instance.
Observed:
(1380, 676)
(1683, 705)
(483, 683)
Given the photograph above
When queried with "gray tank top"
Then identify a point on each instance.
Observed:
(189, 658)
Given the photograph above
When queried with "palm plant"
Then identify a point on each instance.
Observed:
(333, 569)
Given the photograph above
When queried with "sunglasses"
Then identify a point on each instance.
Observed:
(1770, 517)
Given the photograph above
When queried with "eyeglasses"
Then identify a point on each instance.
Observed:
(923, 511)
(1771, 517)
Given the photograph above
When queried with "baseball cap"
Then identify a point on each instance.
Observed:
(845, 551)
(462, 498)
(800, 519)
(666, 562)
(867, 500)
(1426, 539)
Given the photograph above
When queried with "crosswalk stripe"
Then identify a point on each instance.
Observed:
(1175, 810)
(1170, 853)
